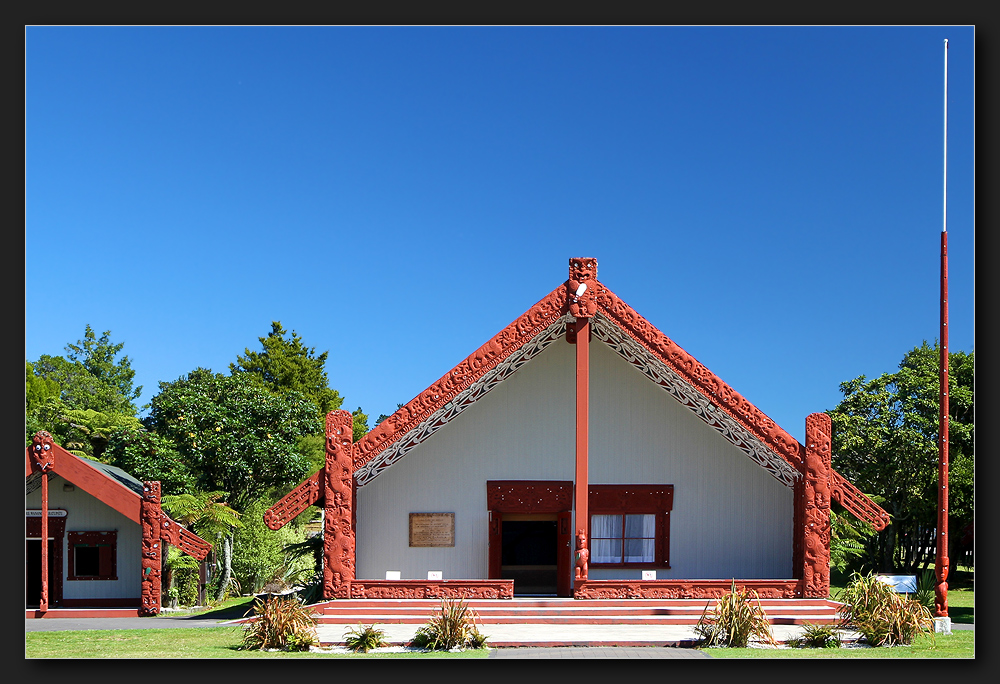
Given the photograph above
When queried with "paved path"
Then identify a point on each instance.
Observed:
(612, 652)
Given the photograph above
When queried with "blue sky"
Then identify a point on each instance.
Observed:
(769, 197)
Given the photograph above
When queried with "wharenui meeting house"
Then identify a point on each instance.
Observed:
(106, 536)
(579, 452)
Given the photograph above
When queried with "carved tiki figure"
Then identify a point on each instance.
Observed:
(582, 554)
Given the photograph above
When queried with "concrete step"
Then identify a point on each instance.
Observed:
(566, 612)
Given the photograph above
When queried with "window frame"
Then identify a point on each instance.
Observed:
(107, 544)
(634, 500)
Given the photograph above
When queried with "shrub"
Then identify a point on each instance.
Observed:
(453, 626)
(364, 638)
(926, 585)
(280, 623)
(187, 580)
(883, 617)
(736, 619)
(818, 636)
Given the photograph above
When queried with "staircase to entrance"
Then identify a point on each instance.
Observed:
(528, 621)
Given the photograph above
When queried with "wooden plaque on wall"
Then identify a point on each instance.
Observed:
(432, 529)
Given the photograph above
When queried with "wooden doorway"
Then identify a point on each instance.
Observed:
(33, 559)
(529, 537)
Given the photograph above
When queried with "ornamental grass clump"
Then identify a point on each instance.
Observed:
(280, 624)
(883, 617)
(736, 619)
(364, 638)
(452, 626)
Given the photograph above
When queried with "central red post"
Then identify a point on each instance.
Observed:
(582, 433)
(581, 303)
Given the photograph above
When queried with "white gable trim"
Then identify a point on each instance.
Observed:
(661, 374)
(462, 401)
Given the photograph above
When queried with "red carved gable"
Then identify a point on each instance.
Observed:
(51, 458)
(771, 446)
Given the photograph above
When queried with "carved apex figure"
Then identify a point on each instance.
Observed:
(582, 276)
(41, 450)
(582, 554)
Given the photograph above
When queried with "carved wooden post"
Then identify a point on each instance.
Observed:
(582, 304)
(816, 486)
(43, 460)
(338, 505)
(152, 548)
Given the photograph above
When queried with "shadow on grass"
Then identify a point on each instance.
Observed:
(965, 616)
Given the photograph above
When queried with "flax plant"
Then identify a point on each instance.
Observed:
(735, 620)
(283, 624)
(452, 626)
(883, 617)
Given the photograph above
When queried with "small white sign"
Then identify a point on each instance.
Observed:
(37, 513)
(392, 574)
(434, 574)
(649, 574)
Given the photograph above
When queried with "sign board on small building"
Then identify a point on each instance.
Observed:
(432, 529)
(901, 584)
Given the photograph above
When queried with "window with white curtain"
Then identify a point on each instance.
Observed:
(627, 538)
(630, 525)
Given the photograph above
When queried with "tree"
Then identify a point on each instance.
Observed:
(89, 377)
(150, 457)
(885, 434)
(233, 433)
(285, 364)
(359, 424)
(212, 520)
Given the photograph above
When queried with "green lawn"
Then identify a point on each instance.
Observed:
(959, 644)
(196, 642)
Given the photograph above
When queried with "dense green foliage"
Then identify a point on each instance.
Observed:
(259, 555)
(287, 365)
(885, 435)
(233, 433)
(82, 398)
(89, 377)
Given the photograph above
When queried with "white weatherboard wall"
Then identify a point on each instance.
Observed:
(84, 513)
(522, 429)
(730, 517)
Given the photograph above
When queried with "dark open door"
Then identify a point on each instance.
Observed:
(496, 544)
(564, 543)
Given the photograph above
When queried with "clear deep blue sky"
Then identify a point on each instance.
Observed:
(769, 198)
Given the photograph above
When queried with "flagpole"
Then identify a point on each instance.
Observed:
(941, 563)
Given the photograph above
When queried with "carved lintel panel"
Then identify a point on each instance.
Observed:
(529, 496)
(338, 484)
(431, 589)
(682, 589)
(817, 490)
(623, 497)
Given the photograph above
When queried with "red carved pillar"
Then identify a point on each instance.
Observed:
(941, 561)
(816, 488)
(43, 460)
(582, 305)
(150, 518)
(338, 506)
